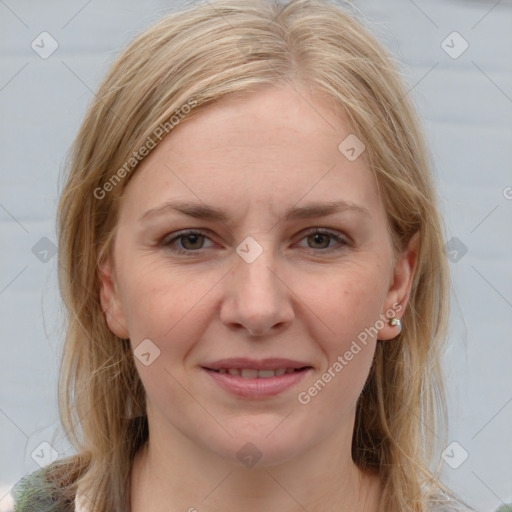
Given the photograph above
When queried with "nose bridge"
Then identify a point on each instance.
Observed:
(253, 275)
(256, 298)
(256, 275)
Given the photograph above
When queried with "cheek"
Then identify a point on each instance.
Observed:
(165, 305)
(347, 301)
(169, 309)
(347, 316)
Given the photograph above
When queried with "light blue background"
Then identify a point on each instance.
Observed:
(466, 105)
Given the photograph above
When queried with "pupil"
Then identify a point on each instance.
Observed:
(318, 237)
(193, 238)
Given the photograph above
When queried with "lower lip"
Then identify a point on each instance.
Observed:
(257, 388)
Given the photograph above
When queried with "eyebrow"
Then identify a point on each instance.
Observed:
(203, 211)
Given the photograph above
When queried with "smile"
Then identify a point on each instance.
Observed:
(251, 373)
(251, 383)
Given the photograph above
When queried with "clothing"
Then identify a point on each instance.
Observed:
(34, 494)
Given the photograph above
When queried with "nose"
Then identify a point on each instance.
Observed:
(256, 298)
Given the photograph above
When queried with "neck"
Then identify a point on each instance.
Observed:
(178, 475)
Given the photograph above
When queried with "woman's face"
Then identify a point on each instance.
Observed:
(250, 177)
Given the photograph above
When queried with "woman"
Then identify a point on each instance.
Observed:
(252, 261)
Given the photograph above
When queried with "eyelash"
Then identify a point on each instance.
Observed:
(167, 242)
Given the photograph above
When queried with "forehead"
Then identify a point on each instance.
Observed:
(274, 146)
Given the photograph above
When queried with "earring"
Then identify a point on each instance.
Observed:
(395, 322)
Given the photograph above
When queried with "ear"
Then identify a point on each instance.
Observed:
(398, 293)
(110, 302)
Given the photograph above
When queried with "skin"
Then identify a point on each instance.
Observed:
(254, 156)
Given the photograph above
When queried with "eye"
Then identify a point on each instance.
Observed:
(321, 239)
(188, 241)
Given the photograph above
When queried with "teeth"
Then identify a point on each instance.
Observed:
(251, 373)
(263, 374)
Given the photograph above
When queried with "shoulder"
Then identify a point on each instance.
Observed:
(34, 493)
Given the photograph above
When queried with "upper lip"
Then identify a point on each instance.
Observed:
(263, 364)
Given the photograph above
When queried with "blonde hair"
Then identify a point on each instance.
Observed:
(202, 54)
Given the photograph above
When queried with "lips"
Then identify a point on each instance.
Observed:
(274, 364)
(251, 373)
(257, 379)
(255, 384)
